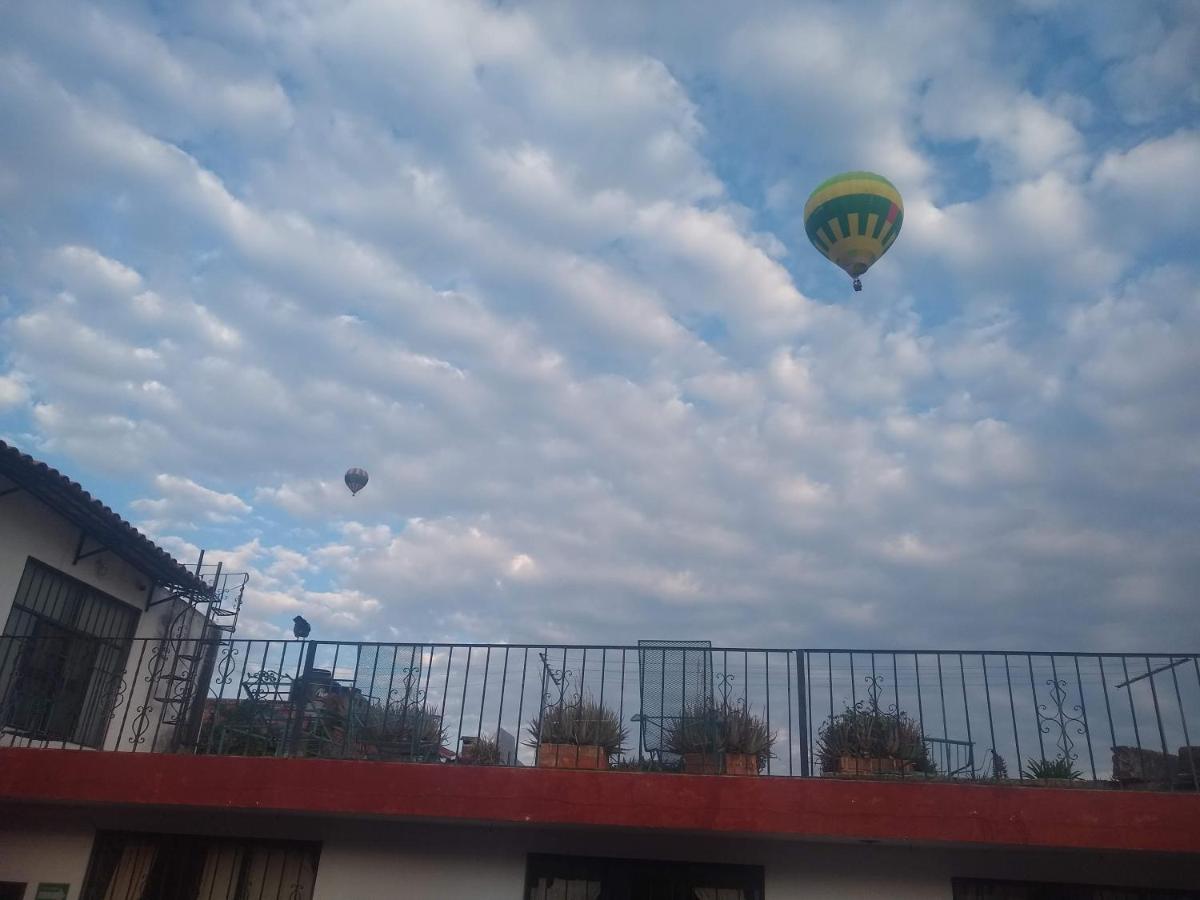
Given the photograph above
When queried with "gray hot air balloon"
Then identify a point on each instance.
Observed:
(356, 479)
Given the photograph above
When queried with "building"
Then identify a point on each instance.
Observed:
(146, 752)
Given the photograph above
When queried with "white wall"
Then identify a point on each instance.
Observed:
(29, 528)
(35, 852)
(421, 861)
(430, 861)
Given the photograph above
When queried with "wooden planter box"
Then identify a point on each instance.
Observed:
(884, 765)
(703, 763)
(720, 763)
(741, 764)
(571, 756)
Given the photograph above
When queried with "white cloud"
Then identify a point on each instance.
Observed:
(1154, 182)
(540, 270)
(13, 392)
(182, 503)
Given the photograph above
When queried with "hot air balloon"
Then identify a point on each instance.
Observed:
(852, 219)
(356, 479)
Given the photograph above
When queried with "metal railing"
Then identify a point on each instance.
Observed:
(1086, 717)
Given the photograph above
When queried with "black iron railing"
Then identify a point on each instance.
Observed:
(1083, 717)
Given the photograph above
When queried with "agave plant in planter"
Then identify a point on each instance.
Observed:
(576, 735)
(412, 732)
(483, 752)
(865, 739)
(715, 740)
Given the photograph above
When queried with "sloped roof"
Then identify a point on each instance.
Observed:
(101, 524)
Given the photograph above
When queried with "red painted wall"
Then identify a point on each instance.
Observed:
(969, 814)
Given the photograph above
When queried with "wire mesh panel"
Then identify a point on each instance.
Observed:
(675, 676)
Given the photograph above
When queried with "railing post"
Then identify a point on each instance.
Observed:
(802, 702)
(300, 700)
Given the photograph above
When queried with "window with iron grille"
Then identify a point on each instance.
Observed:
(988, 889)
(61, 657)
(596, 878)
(137, 866)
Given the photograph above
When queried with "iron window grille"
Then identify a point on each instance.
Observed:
(140, 866)
(58, 681)
(550, 877)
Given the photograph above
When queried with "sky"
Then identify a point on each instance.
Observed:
(541, 269)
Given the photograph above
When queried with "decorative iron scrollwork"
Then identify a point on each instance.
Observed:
(1061, 719)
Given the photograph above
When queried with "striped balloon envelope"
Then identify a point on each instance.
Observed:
(853, 219)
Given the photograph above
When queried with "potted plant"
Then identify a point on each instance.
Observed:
(695, 736)
(866, 740)
(747, 741)
(240, 728)
(720, 740)
(412, 732)
(579, 735)
(483, 752)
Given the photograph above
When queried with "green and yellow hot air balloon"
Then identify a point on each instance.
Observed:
(852, 219)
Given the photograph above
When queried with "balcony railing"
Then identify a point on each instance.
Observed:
(1088, 718)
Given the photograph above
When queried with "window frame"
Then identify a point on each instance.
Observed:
(623, 875)
(190, 858)
(1009, 889)
(59, 626)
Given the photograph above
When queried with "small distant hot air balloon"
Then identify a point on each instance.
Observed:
(852, 219)
(356, 479)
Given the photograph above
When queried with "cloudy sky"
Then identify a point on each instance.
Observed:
(540, 268)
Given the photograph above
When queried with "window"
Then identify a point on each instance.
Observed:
(62, 657)
(583, 878)
(985, 889)
(131, 866)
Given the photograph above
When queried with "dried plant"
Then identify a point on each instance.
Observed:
(584, 722)
(869, 732)
(483, 752)
(999, 766)
(709, 729)
(411, 731)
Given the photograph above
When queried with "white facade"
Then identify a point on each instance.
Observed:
(29, 529)
(420, 861)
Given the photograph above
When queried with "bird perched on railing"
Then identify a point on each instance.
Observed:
(300, 627)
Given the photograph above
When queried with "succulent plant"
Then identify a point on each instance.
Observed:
(707, 728)
(868, 732)
(1061, 768)
(583, 722)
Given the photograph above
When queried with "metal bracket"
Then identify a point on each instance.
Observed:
(80, 555)
(178, 595)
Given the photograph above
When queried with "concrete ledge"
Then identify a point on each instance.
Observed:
(802, 808)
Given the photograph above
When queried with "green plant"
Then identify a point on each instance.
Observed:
(483, 752)
(999, 766)
(241, 728)
(705, 728)
(584, 722)
(697, 729)
(401, 731)
(869, 732)
(1060, 768)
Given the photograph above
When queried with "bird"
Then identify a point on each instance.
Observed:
(300, 627)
